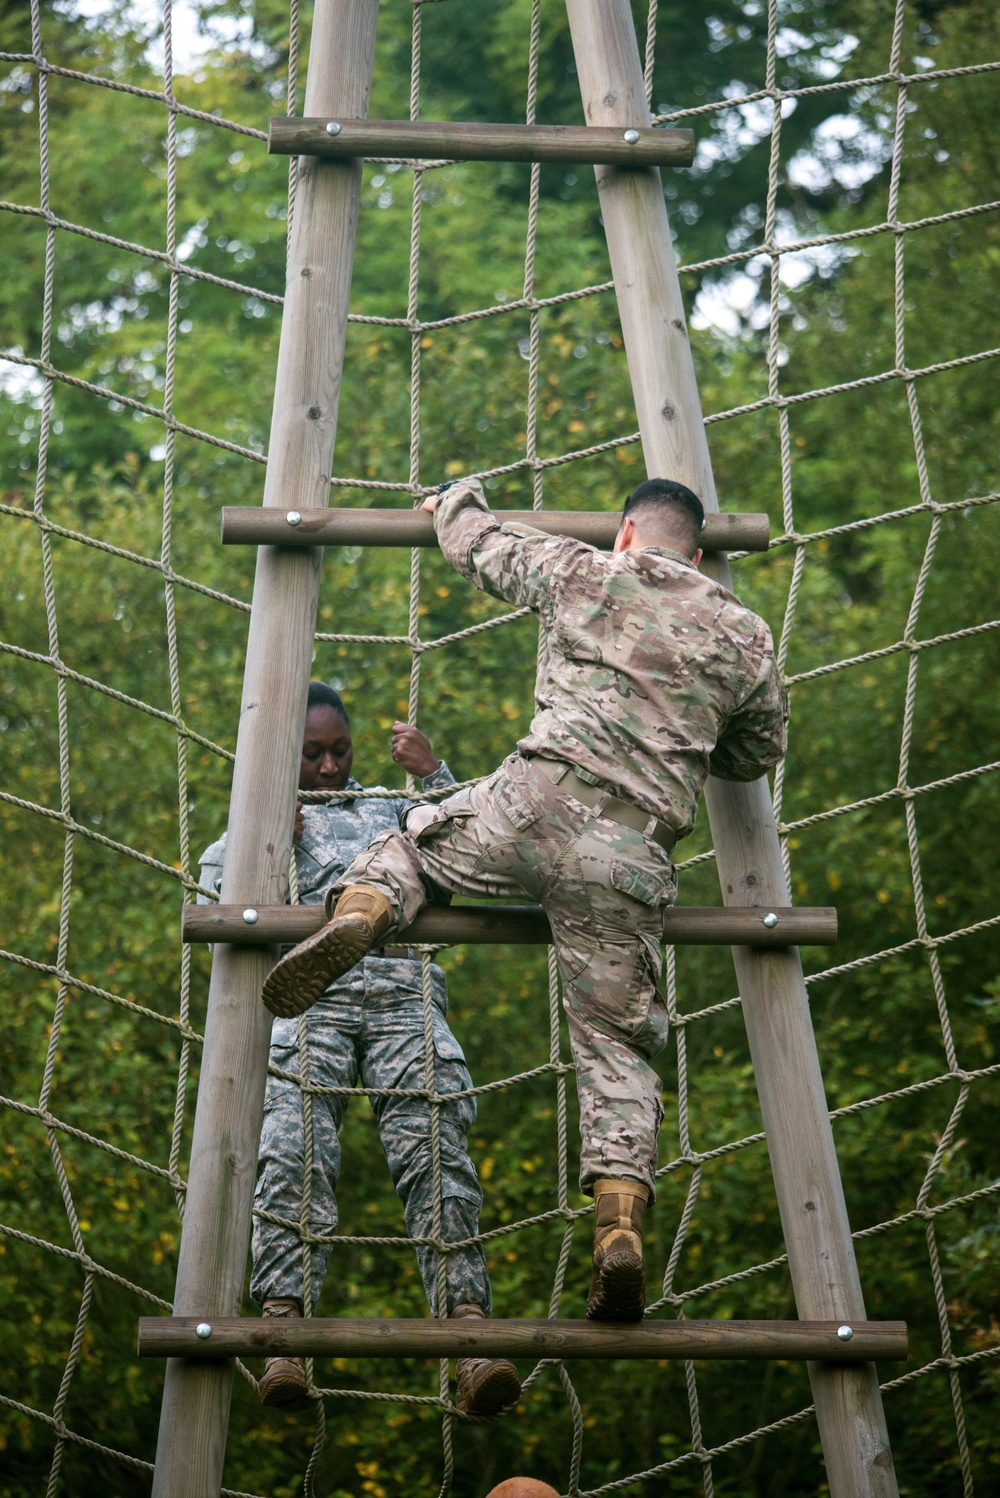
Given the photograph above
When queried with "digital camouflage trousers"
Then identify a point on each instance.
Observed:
(368, 1031)
(604, 889)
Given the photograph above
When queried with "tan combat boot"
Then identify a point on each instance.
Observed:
(484, 1386)
(285, 1383)
(617, 1285)
(361, 916)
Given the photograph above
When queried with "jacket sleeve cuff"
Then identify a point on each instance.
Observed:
(438, 779)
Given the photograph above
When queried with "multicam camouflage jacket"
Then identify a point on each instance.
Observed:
(650, 675)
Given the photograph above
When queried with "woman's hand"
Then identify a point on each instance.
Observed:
(412, 749)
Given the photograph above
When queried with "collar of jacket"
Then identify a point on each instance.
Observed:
(664, 551)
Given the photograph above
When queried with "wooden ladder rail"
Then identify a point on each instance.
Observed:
(775, 1009)
(216, 1230)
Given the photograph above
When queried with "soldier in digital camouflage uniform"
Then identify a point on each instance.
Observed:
(367, 1029)
(650, 677)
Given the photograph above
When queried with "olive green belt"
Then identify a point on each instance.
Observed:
(614, 808)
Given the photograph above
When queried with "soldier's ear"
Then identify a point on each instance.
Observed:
(623, 540)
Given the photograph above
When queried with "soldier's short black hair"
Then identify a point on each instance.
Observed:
(321, 695)
(673, 506)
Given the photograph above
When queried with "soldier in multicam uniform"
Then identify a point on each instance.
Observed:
(366, 1029)
(650, 677)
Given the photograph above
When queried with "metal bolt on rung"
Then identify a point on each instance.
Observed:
(203, 1330)
(293, 518)
(250, 916)
(770, 920)
(845, 1333)
(333, 127)
(632, 137)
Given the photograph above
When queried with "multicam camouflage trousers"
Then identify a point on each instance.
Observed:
(603, 887)
(368, 1031)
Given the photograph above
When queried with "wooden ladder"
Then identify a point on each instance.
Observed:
(832, 1331)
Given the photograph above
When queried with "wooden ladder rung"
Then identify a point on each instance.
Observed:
(525, 925)
(255, 525)
(466, 141)
(369, 1337)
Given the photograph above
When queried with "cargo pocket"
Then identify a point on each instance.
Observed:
(446, 1046)
(425, 821)
(452, 1075)
(643, 885)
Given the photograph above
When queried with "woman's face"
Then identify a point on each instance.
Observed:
(327, 751)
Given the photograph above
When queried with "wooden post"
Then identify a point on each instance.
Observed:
(782, 1046)
(213, 1251)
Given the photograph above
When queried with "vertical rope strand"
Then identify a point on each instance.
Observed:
(62, 712)
(534, 340)
(173, 662)
(909, 709)
(415, 336)
(437, 1211)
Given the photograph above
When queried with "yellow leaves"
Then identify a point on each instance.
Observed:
(372, 350)
(834, 880)
(487, 1167)
(576, 426)
(883, 897)
(442, 592)
(554, 405)
(453, 466)
(626, 456)
(509, 711)
(427, 341)
(369, 1471)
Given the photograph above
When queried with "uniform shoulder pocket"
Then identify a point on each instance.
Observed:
(641, 884)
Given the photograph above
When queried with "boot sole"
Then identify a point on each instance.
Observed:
(295, 982)
(620, 1291)
(284, 1391)
(495, 1391)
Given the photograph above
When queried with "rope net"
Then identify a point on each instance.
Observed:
(121, 658)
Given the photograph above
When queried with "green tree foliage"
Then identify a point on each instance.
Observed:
(851, 458)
